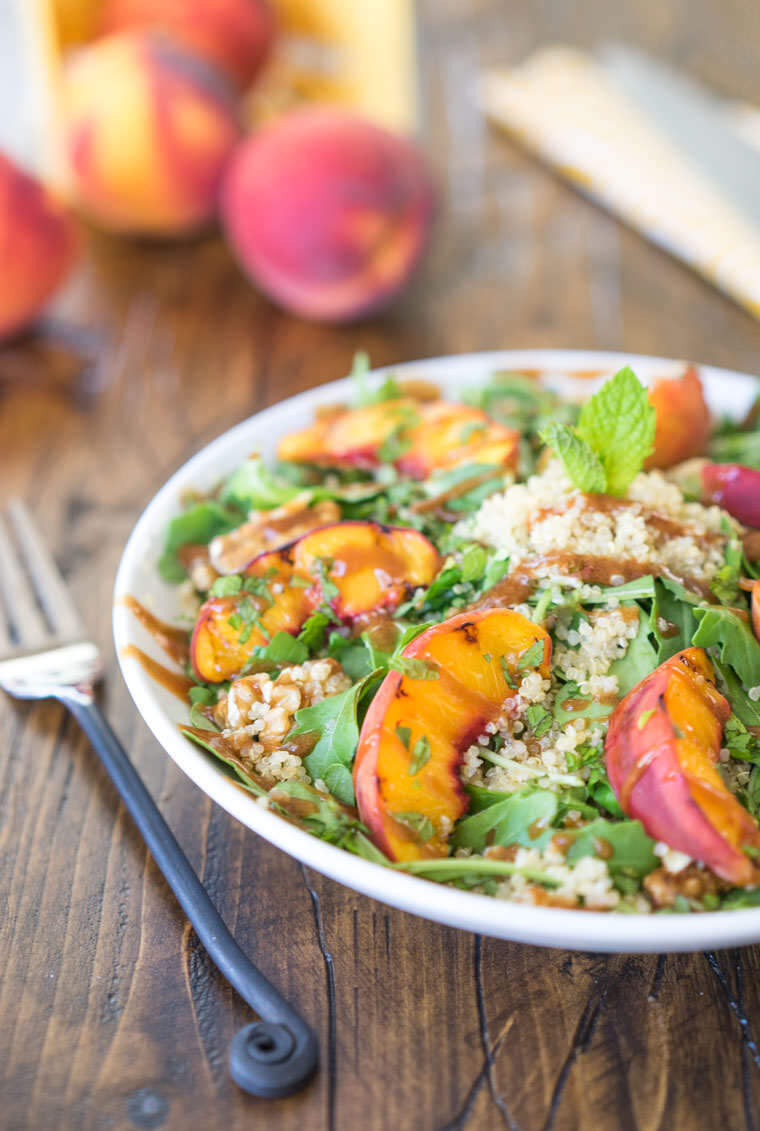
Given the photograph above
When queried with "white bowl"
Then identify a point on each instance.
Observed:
(727, 392)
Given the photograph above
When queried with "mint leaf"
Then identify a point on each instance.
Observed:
(420, 755)
(582, 464)
(618, 423)
(738, 647)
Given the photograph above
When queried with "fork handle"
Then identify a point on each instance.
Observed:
(271, 1058)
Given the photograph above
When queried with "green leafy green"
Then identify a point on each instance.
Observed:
(581, 462)
(418, 823)
(672, 618)
(388, 390)
(624, 845)
(523, 818)
(282, 649)
(746, 709)
(253, 486)
(569, 705)
(639, 660)
(618, 424)
(420, 755)
(334, 721)
(198, 524)
(723, 629)
(314, 630)
(725, 583)
(452, 869)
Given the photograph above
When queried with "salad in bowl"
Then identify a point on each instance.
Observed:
(508, 642)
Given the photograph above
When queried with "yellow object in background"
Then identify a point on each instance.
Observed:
(28, 88)
(75, 20)
(360, 53)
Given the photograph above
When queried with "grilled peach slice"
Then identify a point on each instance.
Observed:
(416, 730)
(683, 419)
(354, 567)
(661, 752)
(372, 566)
(419, 438)
(735, 488)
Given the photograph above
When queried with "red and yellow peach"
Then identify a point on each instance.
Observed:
(328, 214)
(148, 132)
(233, 35)
(38, 244)
(683, 419)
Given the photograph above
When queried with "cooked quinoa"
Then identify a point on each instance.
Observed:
(339, 711)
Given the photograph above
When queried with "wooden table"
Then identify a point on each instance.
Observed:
(110, 1013)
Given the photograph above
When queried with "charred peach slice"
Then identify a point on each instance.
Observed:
(372, 566)
(429, 436)
(354, 567)
(683, 419)
(417, 729)
(661, 752)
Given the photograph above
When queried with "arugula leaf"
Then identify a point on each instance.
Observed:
(740, 742)
(640, 589)
(741, 897)
(741, 704)
(725, 583)
(539, 719)
(323, 816)
(388, 390)
(334, 720)
(234, 766)
(639, 660)
(624, 845)
(583, 706)
(200, 523)
(597, 787)
(474, 562)
(282, 649)
(722, 628)
(313, 630)
(582, 464)
(253, 486)
(523, 818)
(618, 424)
(452, 870)
(674, 604)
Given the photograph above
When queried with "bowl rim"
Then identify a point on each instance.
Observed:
(558, 927)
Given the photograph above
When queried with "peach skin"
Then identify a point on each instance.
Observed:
(234, 35)
(683, 419)
(148, 132)
(352, 567)
(435, 435)
(735, 488)
(38, 246)
(415, 733)
(661, 751)
(327, 214)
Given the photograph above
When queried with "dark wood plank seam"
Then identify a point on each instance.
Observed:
(746, 1085)
(485, 1038)
(659, 971)
(331, 1008)
(464, 1113)
(735, 1005)
(582, 1037)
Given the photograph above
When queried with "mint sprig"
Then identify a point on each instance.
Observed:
(614, 436)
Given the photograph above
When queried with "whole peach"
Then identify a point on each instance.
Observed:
(148, 131)
(327, 213)
(234, 35)
(38, 245)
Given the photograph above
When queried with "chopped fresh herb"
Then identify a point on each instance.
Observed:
(404, 734)
(539, 719)
(508, 677)
(420, 754)
(413, 668)
(419, 824)
(532, 657)
(644, 718)
(226, 586)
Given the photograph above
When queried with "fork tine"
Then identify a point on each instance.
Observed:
(51, 588)
(20, 606)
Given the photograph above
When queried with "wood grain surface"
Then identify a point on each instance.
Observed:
(111, 1016)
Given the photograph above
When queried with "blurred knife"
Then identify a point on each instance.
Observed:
(693, 119)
